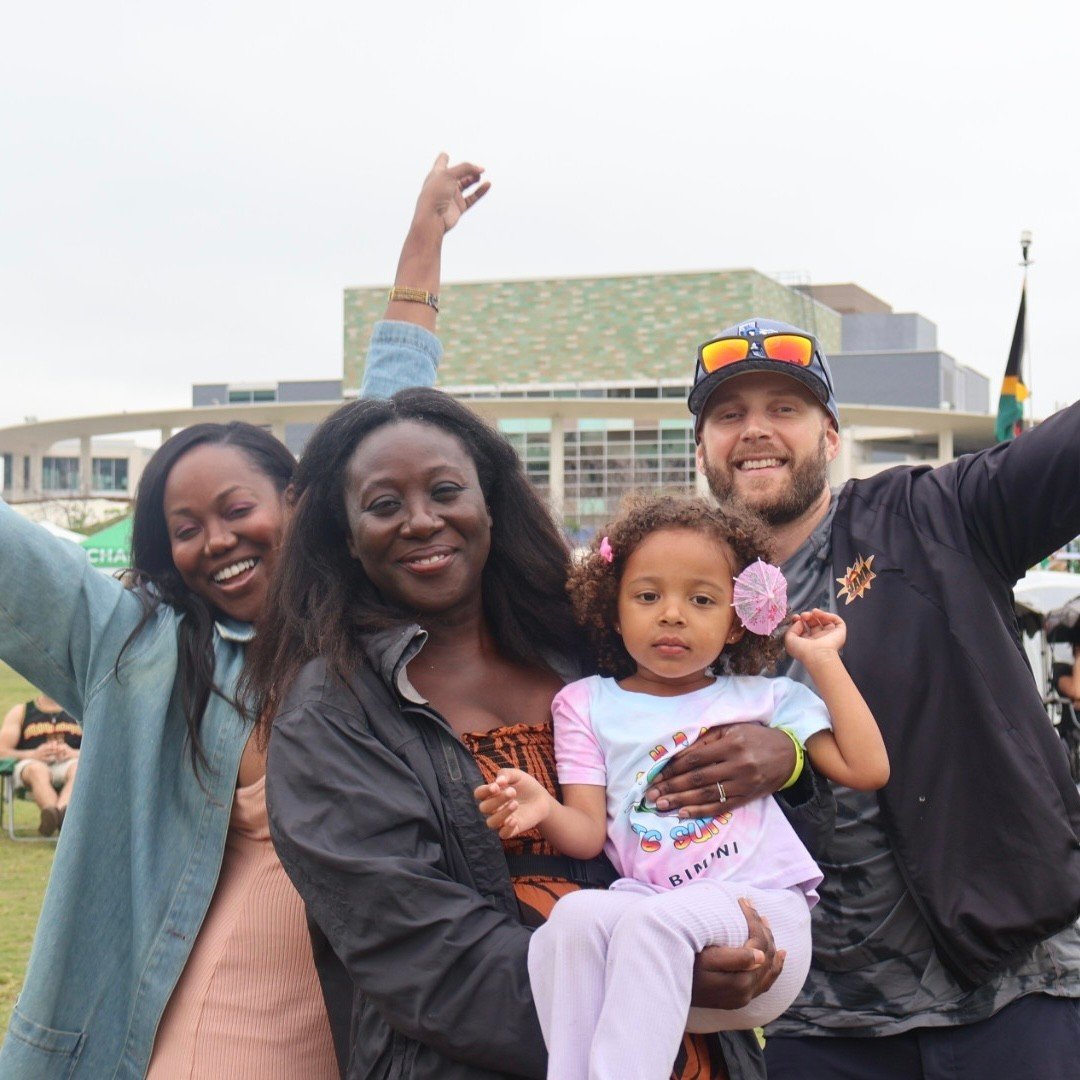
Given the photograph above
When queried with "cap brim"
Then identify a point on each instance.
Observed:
(702, 390)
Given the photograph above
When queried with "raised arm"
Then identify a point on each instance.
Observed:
(62, 623)
(404, 350)
(853, 752)
(1020, 500)
(353, 827)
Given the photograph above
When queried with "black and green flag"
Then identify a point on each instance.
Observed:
(1013, 391)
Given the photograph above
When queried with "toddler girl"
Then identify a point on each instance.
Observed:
(611, 971)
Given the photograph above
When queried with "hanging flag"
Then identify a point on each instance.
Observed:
(1010, 415)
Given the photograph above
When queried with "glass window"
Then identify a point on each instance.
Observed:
(109, 474)
(60, 474)
(524, 424)
(264, 395)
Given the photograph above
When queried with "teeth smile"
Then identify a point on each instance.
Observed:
(427, 560)
(760, 463)
(228, 572)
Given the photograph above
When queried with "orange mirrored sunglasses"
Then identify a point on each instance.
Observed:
(784, 348)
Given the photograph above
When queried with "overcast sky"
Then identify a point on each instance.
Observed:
(185, 190)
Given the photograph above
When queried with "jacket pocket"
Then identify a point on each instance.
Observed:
(33, 1051)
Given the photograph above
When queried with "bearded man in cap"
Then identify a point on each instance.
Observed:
(945, 942)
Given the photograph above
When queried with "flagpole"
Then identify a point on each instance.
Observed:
(1025, 262)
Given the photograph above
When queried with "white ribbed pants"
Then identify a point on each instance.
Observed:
(611, 972)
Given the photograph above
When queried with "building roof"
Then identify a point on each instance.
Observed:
(847, 298)
(644, 326)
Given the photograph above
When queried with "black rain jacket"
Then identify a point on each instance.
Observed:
(980, 811)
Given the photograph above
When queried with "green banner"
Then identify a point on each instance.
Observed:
(110, 549)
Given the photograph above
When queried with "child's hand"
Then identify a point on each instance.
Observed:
(514, 803)
(815, 634)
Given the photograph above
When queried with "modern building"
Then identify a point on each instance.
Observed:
(71, 468)
(592, 374)
(293, 435)
(588, 378)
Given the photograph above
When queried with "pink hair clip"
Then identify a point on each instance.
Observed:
(606, 552)
(760, 597)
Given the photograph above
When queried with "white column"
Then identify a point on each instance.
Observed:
(945, 451)
(37, 489)
(86, 464)
(557, 467)
(166, 434)
(843, 466)
(17, 487)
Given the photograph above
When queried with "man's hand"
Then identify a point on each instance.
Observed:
(45, 752)
(446, 193)
(749, 760)
(730, 978)
(65, 752)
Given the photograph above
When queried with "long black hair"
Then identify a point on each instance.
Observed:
(321, 601)
(154, 576)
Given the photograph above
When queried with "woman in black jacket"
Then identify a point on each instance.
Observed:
(418, 630)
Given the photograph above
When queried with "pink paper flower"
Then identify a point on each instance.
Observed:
(605, 551)
(760, 597)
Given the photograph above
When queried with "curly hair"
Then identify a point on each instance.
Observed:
(593, 583)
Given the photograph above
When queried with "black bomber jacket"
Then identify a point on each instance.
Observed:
(980, 810)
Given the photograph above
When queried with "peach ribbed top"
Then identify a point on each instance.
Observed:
(248, 1003)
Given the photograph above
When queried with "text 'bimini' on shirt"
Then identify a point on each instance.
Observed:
(621, 740)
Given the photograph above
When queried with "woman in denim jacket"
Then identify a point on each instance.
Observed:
(150, 670)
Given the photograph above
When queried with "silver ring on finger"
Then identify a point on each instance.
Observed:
(723, 793)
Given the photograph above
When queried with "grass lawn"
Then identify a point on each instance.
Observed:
(24, 870)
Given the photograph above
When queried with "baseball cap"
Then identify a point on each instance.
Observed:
(814, 374)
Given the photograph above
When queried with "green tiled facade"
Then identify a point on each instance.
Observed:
(587, 329)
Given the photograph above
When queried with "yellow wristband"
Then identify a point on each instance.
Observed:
(800, 758)
(416, 296)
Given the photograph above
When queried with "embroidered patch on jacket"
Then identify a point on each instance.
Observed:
(857, 580)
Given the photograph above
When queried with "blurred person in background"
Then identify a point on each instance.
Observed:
(44, 740)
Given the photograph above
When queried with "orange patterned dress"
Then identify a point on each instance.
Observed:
(531, 748)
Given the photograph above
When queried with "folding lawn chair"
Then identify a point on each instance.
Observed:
(7, 803)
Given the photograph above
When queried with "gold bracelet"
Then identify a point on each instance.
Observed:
(416, 296)
(800, 758)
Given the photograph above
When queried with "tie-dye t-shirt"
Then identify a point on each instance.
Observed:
(621, 740)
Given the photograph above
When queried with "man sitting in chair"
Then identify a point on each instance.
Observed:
(45, 741)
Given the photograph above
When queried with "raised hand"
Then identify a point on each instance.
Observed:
(814, 634)
(513, 803)
(448, 191)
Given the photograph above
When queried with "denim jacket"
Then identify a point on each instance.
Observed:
(143, 839)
